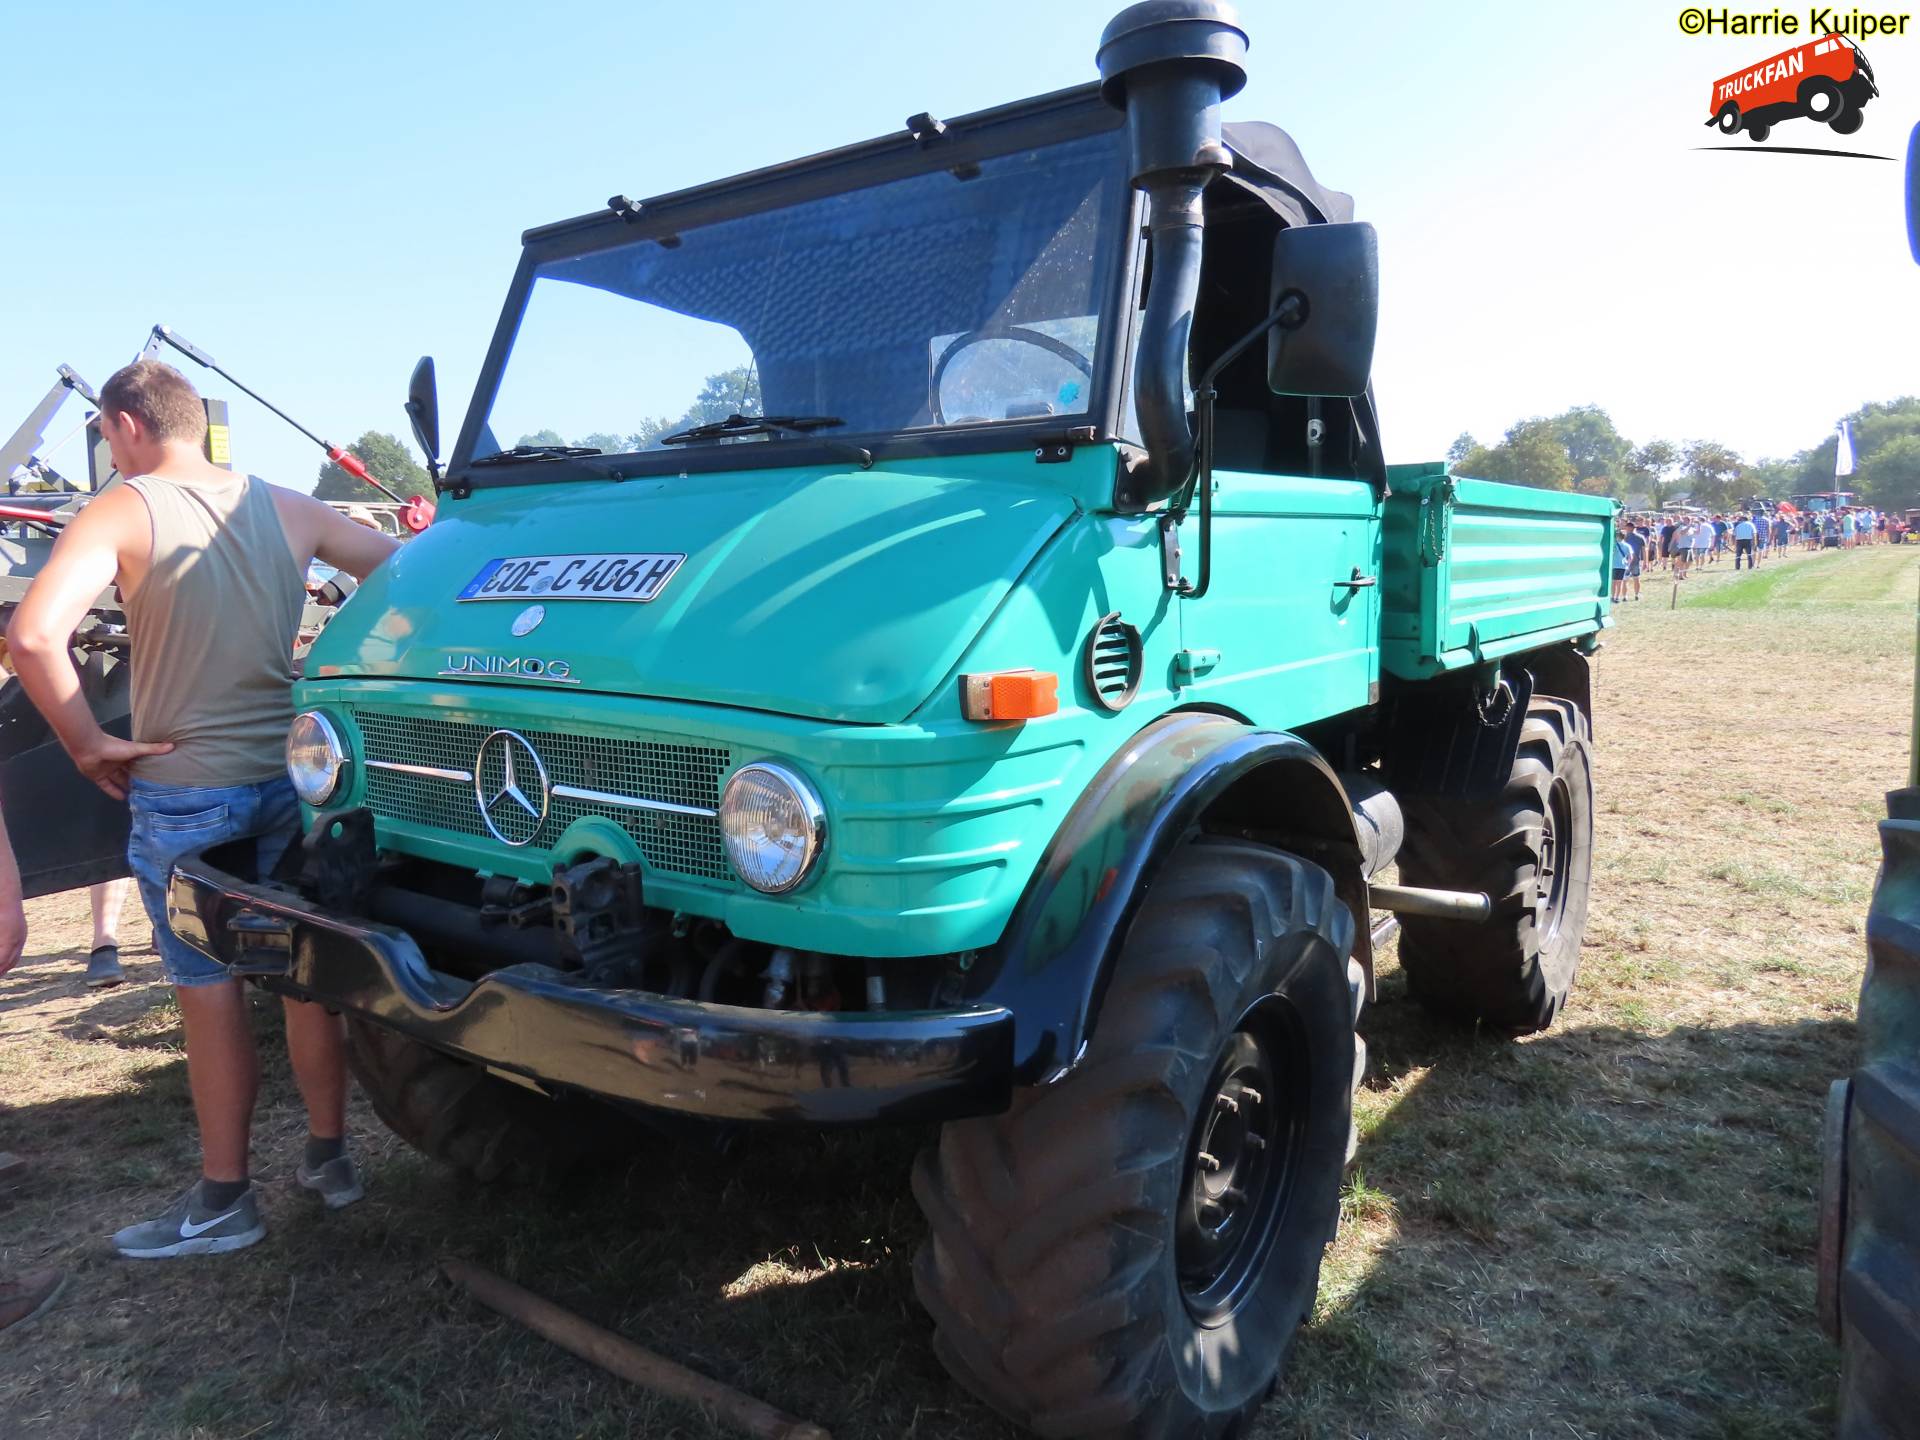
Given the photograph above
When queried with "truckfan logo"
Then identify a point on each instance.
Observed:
(502, 770)
(1827, 80)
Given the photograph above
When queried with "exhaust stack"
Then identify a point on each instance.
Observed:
(1169, 64)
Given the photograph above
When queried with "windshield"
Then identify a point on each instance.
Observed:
(939, 300)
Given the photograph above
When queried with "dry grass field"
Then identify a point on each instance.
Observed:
(1607, 1230)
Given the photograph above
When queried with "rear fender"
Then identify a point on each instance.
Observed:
(1184, 772)
(1563, 672)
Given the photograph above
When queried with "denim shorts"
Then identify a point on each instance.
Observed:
(170, 821)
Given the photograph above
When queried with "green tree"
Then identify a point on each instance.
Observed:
(1463, 445)
(1649, 470)
(387, 458)
(1597, 450)
(1530, 454)
(1775, 479)
(731, 392)
(1711, 473)
(1890, 477)
(541, 437)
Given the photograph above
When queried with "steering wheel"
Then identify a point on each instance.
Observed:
(998, 332)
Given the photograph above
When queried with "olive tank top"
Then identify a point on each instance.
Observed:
(212, 629)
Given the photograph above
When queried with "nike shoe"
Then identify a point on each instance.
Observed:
(188, 1227)
(103, 967)
(336, 1182)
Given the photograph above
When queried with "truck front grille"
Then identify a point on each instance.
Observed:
(658, 771)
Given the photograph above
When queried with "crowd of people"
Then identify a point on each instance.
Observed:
(1678, 541)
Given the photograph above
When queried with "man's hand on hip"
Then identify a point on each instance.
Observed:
(108, 761)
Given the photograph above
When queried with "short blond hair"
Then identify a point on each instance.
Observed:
(160, 397)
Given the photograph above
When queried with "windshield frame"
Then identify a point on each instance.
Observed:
(1028, 124)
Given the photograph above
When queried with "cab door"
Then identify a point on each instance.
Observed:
(1289, 629)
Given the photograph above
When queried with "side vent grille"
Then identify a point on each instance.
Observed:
(1113, 662)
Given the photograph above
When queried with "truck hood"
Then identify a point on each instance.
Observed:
(831, 594)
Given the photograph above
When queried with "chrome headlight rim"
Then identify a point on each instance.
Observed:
(813, 813)
(339, 758)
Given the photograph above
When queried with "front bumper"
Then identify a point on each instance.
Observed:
(534, 1022)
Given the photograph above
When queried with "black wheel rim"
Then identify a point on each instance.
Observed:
(1242, 1161)
(1552, 882)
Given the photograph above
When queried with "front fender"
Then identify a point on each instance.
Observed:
(1067, 930)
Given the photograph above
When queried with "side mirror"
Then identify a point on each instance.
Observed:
(1327, 280)
(423, 409)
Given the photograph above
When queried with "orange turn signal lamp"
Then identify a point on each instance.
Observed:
(1009, 695)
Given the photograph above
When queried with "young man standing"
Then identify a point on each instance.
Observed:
(211, 566)
(1742, 542)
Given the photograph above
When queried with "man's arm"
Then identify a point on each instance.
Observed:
(346, 544)
(84, 562)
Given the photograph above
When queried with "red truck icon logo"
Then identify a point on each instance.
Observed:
(1826, 80)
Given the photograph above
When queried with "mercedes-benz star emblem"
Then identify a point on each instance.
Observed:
(528, 620)
(510, 786)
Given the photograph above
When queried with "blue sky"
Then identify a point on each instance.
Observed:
(320, 194)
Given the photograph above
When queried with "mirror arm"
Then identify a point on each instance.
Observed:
(1289, 312)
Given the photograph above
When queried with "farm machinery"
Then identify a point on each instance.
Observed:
(1868, 1279)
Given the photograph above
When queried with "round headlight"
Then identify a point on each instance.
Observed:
(315, 757)
(774, 826)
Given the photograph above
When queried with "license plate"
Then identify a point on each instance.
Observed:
(573, 577)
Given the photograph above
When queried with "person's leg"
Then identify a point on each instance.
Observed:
(109, 903)
(317, 1048)
(109, 900)
(218, 1212)
(223, 1072)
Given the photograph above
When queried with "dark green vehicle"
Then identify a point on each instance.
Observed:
(1869, 1256)
(1004, 719)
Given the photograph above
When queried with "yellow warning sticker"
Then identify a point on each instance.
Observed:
(218, 448)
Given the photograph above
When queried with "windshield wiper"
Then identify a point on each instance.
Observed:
(521, 454)
(737, 424)
(792, 427)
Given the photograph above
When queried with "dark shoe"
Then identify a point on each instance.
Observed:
(25, 1298)
(103, 967)
(187, 1227)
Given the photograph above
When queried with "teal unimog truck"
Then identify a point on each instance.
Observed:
(1003, 720)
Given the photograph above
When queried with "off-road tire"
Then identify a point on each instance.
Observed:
(1510, 973)
(1847, 122)
(1758, 131)
(1728, 120)
(1053, 1267)
(486, 1128)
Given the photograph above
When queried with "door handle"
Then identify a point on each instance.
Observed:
(1358, 580)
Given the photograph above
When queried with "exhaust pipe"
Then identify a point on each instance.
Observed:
(1169, 64)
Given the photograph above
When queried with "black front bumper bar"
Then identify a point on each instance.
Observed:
(535, 1023)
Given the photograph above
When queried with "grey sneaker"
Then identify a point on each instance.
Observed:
(103, 967)
(335, 1182)
(187, 1227)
